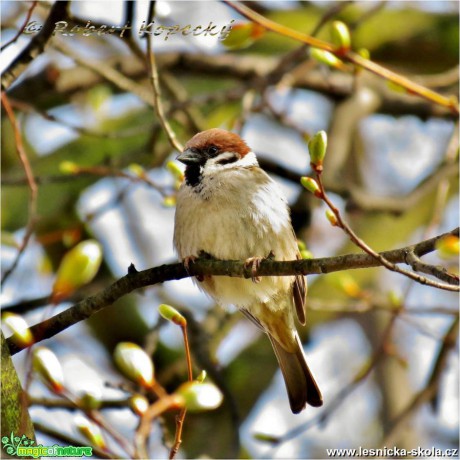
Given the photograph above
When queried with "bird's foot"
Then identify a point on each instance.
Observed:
(188, 260)
(191, 260)
(254, 263)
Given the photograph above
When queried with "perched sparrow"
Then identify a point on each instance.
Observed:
(231, 209)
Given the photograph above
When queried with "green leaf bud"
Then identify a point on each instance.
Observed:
(198, 397)
(134, 363)
(48, 367)
(171, 314)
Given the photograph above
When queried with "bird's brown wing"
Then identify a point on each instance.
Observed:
(299, 291)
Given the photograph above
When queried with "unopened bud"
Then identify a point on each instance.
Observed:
(306, 254)
(134, 363)
(90, 431)
(68, 167)
(47, 366)
(169, 201)
(175, 170)
(311, 185)
(202, 376)
(317, 146)
(395, 299)
(364, 53)
(326, 57)
(269, 438)
(448, 246)
(77, 268)
(198, 397)
(21, 334)
(89, 401)
(340, 36)
(171, 314)
(349, 285)
(331, 217)
(397, 88)
(136, 169)
(138, 404)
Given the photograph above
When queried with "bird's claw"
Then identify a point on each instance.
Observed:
(189, 260)
(254, 263)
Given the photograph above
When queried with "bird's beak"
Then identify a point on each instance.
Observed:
(189, 157)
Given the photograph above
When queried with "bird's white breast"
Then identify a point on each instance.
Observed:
(235, 214)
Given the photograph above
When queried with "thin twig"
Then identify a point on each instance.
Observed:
(433, 270)
(158, 104)
(29, 108)
(108, 73)
(452, 281)
(36, 46)
(429, 392)
(33, 189)
(448, 343)
(181, 416)
(67, 404)
(104, 171)
(156, 409)
(350, 56)
(69, 440)
(21, 29)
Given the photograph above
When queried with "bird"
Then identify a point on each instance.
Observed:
(229, 208)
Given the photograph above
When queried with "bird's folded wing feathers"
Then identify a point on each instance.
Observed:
(299, 291)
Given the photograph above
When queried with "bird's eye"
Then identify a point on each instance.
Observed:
(212, 150)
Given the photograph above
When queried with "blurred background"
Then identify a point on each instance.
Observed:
(99, 155)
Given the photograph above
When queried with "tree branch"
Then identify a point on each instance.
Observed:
(33, 189)
(350, 56)
(36, 45)
(135, 280)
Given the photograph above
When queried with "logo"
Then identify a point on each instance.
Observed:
(11, 444)
(22, 446)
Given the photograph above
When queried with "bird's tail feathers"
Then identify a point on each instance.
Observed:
(300, 383)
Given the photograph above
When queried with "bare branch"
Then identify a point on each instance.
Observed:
(135, 280)
(429, 391)
(158, 104)
(354, 58)
(33, 195)
(36, 46)
(108, 73)
(341, 223)
(436, 271)
(21, 29)
(69, 440)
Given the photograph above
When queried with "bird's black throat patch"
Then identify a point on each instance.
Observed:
(193, 174)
